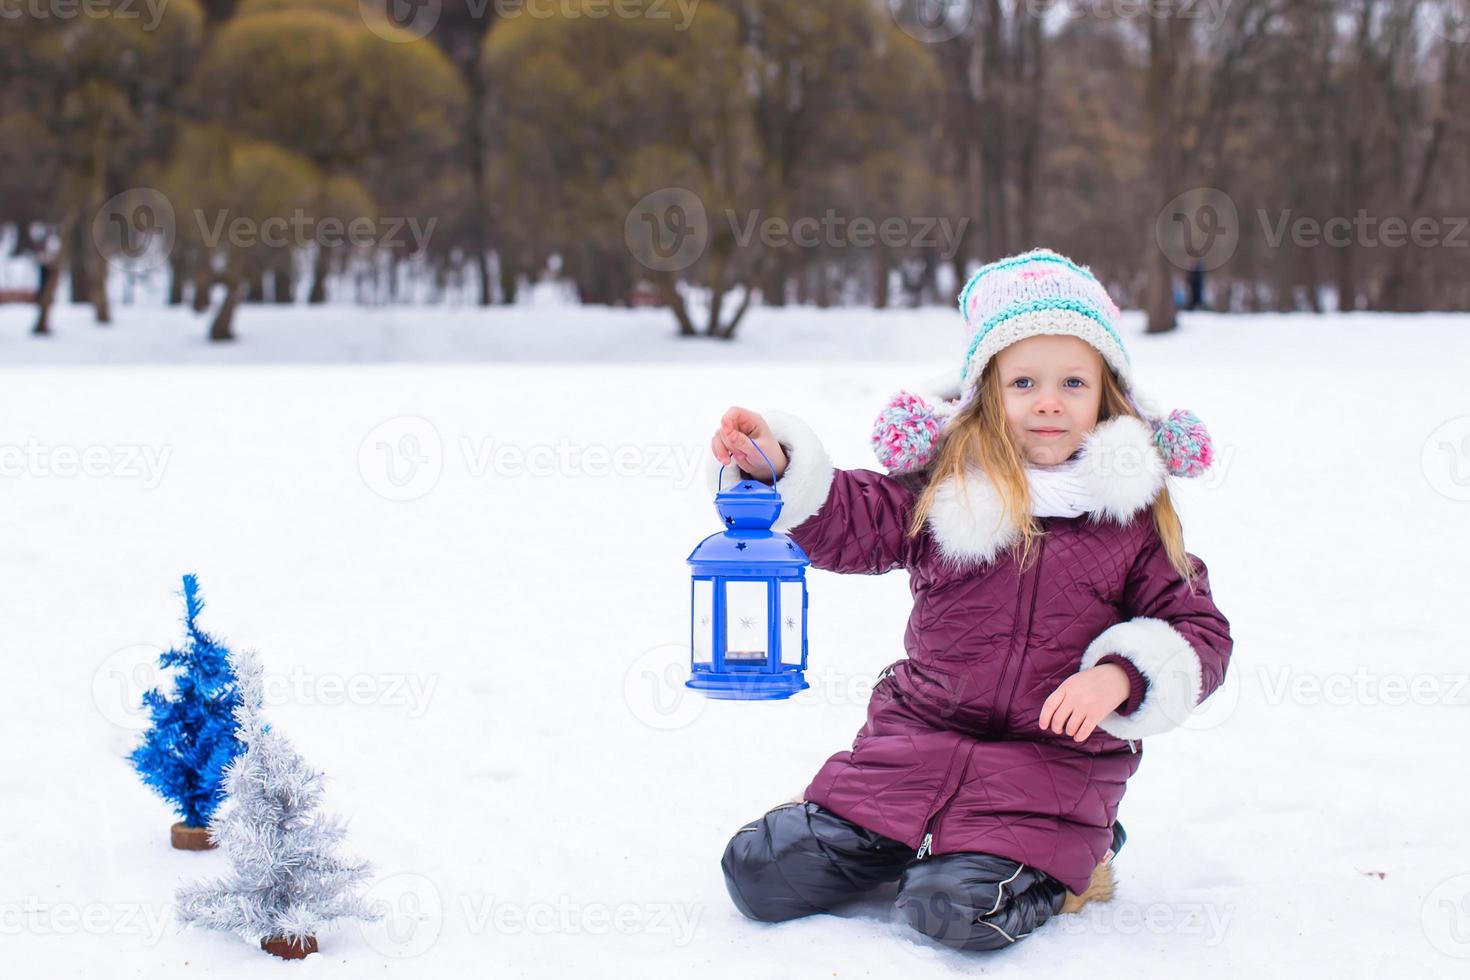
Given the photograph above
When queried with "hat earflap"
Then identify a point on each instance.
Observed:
(1184, 442)
(906, 433)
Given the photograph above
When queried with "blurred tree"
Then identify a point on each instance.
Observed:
(1198, 73)
(233, 193)
(760, 110)
(992, 63)
(313, 78)
(468, 216)
(639, 107)
(835, 83)
(88, 96)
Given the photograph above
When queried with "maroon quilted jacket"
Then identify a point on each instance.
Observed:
(952, 757)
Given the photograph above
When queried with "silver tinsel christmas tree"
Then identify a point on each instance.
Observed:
(287, 882)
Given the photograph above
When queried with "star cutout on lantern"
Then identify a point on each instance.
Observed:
(747, 622)
(740, 546)
(790, 623)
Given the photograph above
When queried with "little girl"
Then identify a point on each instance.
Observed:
(1057, 621)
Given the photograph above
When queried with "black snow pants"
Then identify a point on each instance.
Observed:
(799, 859)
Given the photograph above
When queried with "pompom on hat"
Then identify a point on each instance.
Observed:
(1038, 292)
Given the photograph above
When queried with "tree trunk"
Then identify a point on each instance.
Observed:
(177, 272)
(76, 252)
(255, 286)
(97, 283)
(222, 329)
(510, 273)
(1031, 83)
(47, 295)
(778, 272)
(482, 266)
(668, 289)
(203, 283)
(1162, 146)
(823, 290)
(283, 277)
(882, 263)
(728, 332)
(319, 268)
(474, 80)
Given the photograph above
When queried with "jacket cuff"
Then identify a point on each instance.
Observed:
(1137, 683)
(809, 472)
(1169, 665)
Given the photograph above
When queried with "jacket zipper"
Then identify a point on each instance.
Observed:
(995, 722)
(926, 846)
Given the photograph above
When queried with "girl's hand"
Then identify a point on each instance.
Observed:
(740, 431)
(1084, 699)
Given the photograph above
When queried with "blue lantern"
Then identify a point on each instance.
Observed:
(747, 636)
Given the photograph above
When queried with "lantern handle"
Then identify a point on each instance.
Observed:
(720, 479)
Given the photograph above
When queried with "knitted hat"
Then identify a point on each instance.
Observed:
(1039, 292)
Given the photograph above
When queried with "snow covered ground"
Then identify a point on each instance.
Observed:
(457, 540)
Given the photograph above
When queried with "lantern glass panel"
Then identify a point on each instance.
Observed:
(702, 639)
(792, 614)
(747, 637)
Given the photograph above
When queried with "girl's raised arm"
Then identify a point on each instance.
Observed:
(845, 520)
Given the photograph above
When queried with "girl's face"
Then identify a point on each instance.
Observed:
(1051, 388)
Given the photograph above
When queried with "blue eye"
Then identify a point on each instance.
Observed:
(1019, 380)
(1080, 382)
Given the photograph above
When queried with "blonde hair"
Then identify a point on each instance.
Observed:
(980, 436)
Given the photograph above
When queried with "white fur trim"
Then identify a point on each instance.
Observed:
(1166, 659)
(1120, 466)
(968, 523)
(808, 477)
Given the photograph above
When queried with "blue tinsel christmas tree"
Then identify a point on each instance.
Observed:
(192, 739)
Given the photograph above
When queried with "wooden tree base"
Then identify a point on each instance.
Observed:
(287, 950)
(187, 838)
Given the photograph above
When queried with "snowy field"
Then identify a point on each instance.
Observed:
(467, 581)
